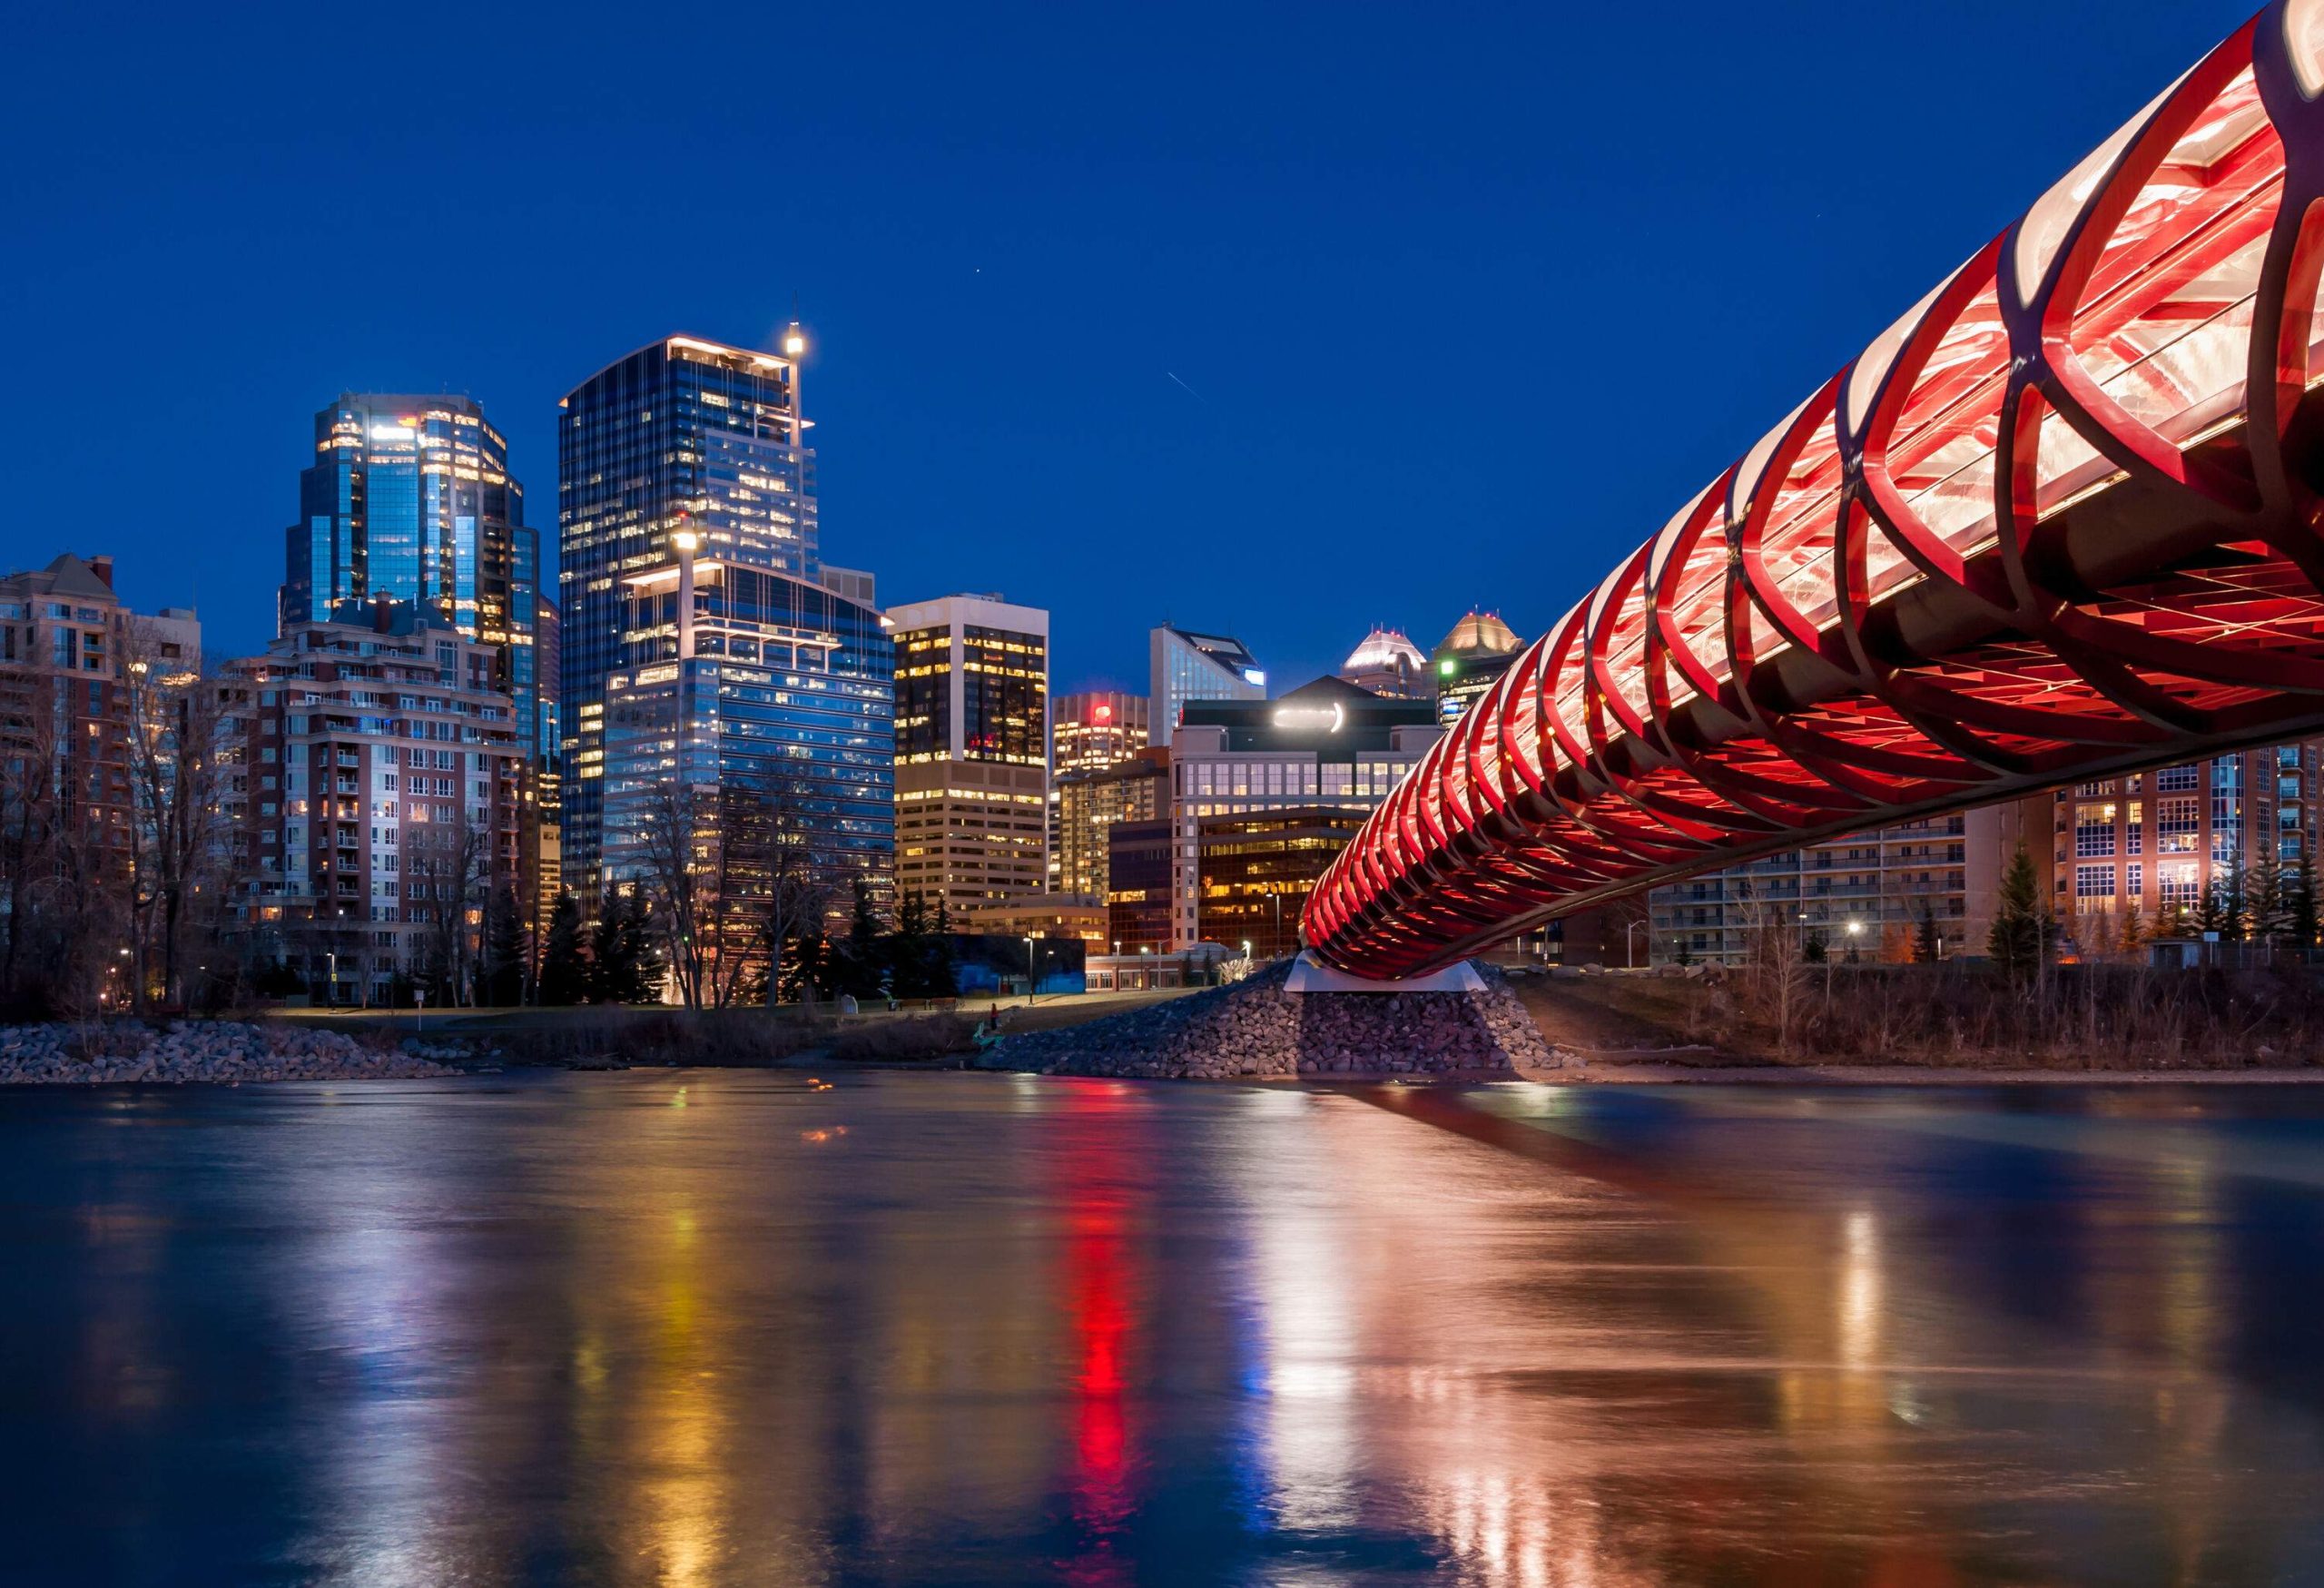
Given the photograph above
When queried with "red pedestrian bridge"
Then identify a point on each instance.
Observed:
(2060, 521)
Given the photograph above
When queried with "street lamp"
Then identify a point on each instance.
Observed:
(1855, 930)
(1629, 945)
(1032, 972)
(330, 991)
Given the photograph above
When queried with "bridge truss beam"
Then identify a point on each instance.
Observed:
(2060, 521)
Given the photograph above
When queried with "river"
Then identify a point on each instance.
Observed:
(697, 1327)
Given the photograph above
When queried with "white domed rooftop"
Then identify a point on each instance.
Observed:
(1384, 650)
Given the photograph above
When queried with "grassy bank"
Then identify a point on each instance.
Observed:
(604, 1036)
(2075, 1018)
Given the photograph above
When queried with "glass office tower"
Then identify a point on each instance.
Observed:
(409, 497)
(680, 434)
(767, 702)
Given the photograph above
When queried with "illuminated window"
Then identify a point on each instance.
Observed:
(2175, 883)
(2176, 824)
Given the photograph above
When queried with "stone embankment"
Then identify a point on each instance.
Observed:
(1257, 1028)
(218, 1052)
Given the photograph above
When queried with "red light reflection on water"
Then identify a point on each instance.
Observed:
(1100, 1147)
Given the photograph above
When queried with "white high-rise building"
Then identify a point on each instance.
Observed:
(1186, 666)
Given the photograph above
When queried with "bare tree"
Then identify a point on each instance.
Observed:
(65, 882)
(682, 867)
(177, 760)
(448, 871)
(793, 877)
(732, 875)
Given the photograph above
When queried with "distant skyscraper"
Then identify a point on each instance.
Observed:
(1095, 729)
(1186, 666)
(686, 434)
(1323, 749)
(972, 681)
(411, 498)
(1470, 660)
(1388, 663)
(1093, 737)
(763, 703)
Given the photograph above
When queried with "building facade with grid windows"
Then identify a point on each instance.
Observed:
(972, 757)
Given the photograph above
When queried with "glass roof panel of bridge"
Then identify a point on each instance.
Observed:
(1618, 636)
(2044, 230)
(2164, 325)
(1795, 542)
(2304, 36)
(1940, 452)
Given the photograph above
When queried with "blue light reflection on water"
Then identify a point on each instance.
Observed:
(994, 1329)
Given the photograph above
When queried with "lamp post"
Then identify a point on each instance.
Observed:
(1033, 975)
(330, 988)
(1855, 930)
(1629, 945)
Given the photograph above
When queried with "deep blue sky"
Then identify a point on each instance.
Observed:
(1468, 299)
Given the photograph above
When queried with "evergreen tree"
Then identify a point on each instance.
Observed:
(2235, 903)
(2022, 934)
(643, 949)
(920, 962)
(1814, 949)
(2301, 903)
(2270, 918)
(503, 970)
(2211, 909)
(564, 973)
(1925, 943)
(947, 968)
(2134, 934)
(806, 966)
(862, 968)
(623, 966)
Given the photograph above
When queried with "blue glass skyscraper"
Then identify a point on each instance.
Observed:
(682, 436)
(758, 710)
(410, 497)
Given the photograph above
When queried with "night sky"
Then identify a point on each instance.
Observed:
(1279, 320)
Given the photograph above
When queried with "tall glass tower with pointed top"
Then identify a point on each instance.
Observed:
(683, 435)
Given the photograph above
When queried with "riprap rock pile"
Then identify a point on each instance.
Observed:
(215, 1051)
(1255, 1027)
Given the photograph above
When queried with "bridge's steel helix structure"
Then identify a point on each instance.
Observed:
(2060, 521)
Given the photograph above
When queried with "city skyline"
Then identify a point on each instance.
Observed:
(1258, 263)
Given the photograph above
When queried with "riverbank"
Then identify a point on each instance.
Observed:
(1874, 1026)
(205, 1052)
(1931, 1025)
